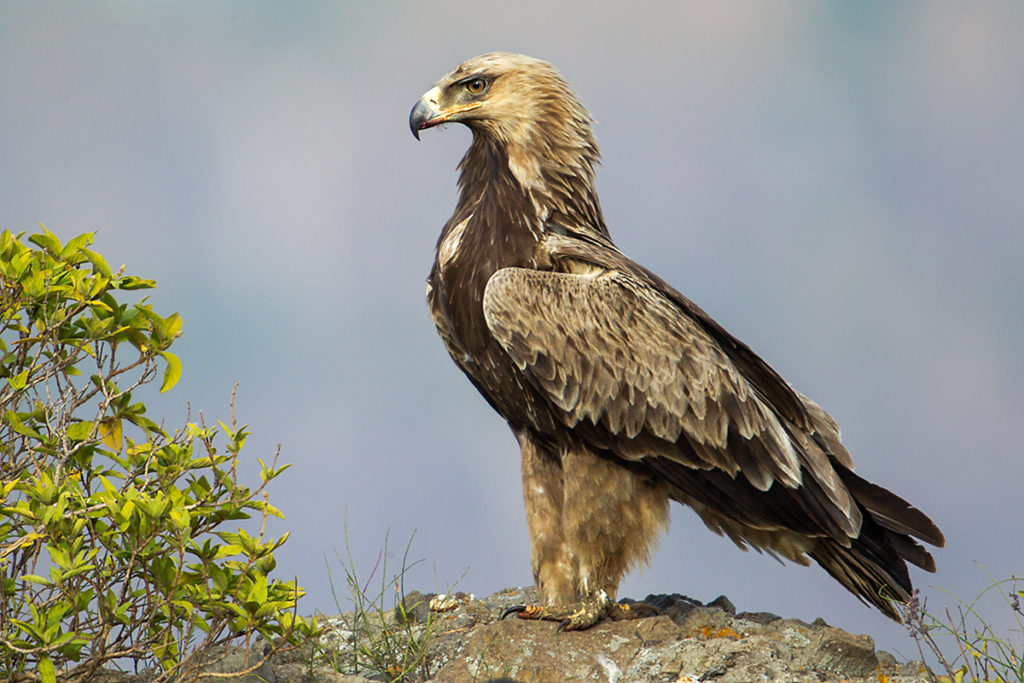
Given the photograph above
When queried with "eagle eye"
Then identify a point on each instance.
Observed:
(476, 85)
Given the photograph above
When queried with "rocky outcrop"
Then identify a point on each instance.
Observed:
(685, 641)
(461, 639)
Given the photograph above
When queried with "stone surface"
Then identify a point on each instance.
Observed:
(686, 641)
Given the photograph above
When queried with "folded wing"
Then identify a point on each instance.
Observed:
(633, 372)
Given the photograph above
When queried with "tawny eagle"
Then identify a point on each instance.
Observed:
(623, 393)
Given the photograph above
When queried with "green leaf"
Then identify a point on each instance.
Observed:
(7, 487)
(172, 373)
(99, 264)
(180, 517)
(258, 592)
(130, 282)
(47, 672)
(228, 551)
(128, 509)
(34, 578)
(170, 327)
(76, 244)
(62, 639)
(59, 556)
(219, 576)
(19, 381)
(185, 605)
(18, 426)
(107, 486)
(80, 431)
(267, 508)
(47, 240)
(111, 433)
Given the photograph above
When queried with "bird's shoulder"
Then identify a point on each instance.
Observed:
(594, 269)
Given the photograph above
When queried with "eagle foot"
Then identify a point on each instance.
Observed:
(578, 616)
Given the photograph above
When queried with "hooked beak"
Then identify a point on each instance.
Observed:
(420, 116)
(427, 113)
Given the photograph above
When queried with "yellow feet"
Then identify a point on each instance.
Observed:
(581, 615)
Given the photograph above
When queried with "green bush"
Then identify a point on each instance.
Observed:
(114, 540)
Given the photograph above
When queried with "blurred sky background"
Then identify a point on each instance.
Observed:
(840, 184)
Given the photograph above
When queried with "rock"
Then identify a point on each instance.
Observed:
(463, 640)
(838, 652)
(675, 606)
(688, 641)
(723, 603)
(759, 617)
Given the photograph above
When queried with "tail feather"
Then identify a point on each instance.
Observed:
(874, 566)
(891, 511)
(912, 551)
(872, 581)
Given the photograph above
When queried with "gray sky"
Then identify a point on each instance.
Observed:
(840, 185)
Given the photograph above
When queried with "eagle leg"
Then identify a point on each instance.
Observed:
(582, 615)
(575, 616)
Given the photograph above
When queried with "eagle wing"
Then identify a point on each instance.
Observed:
(635, 373)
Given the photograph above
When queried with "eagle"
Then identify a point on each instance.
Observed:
(622, 393)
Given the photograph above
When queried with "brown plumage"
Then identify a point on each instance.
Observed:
(622, 393)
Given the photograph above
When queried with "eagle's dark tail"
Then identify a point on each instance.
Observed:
(874, 566)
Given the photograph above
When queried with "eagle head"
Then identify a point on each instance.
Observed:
(524, 115)
(501, 96)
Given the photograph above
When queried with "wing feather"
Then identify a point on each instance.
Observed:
(613, 351)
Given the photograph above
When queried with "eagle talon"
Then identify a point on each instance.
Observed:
(576, 616)
(514, 609)
(529, 612)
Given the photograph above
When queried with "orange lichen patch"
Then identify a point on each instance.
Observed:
(708, 632)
